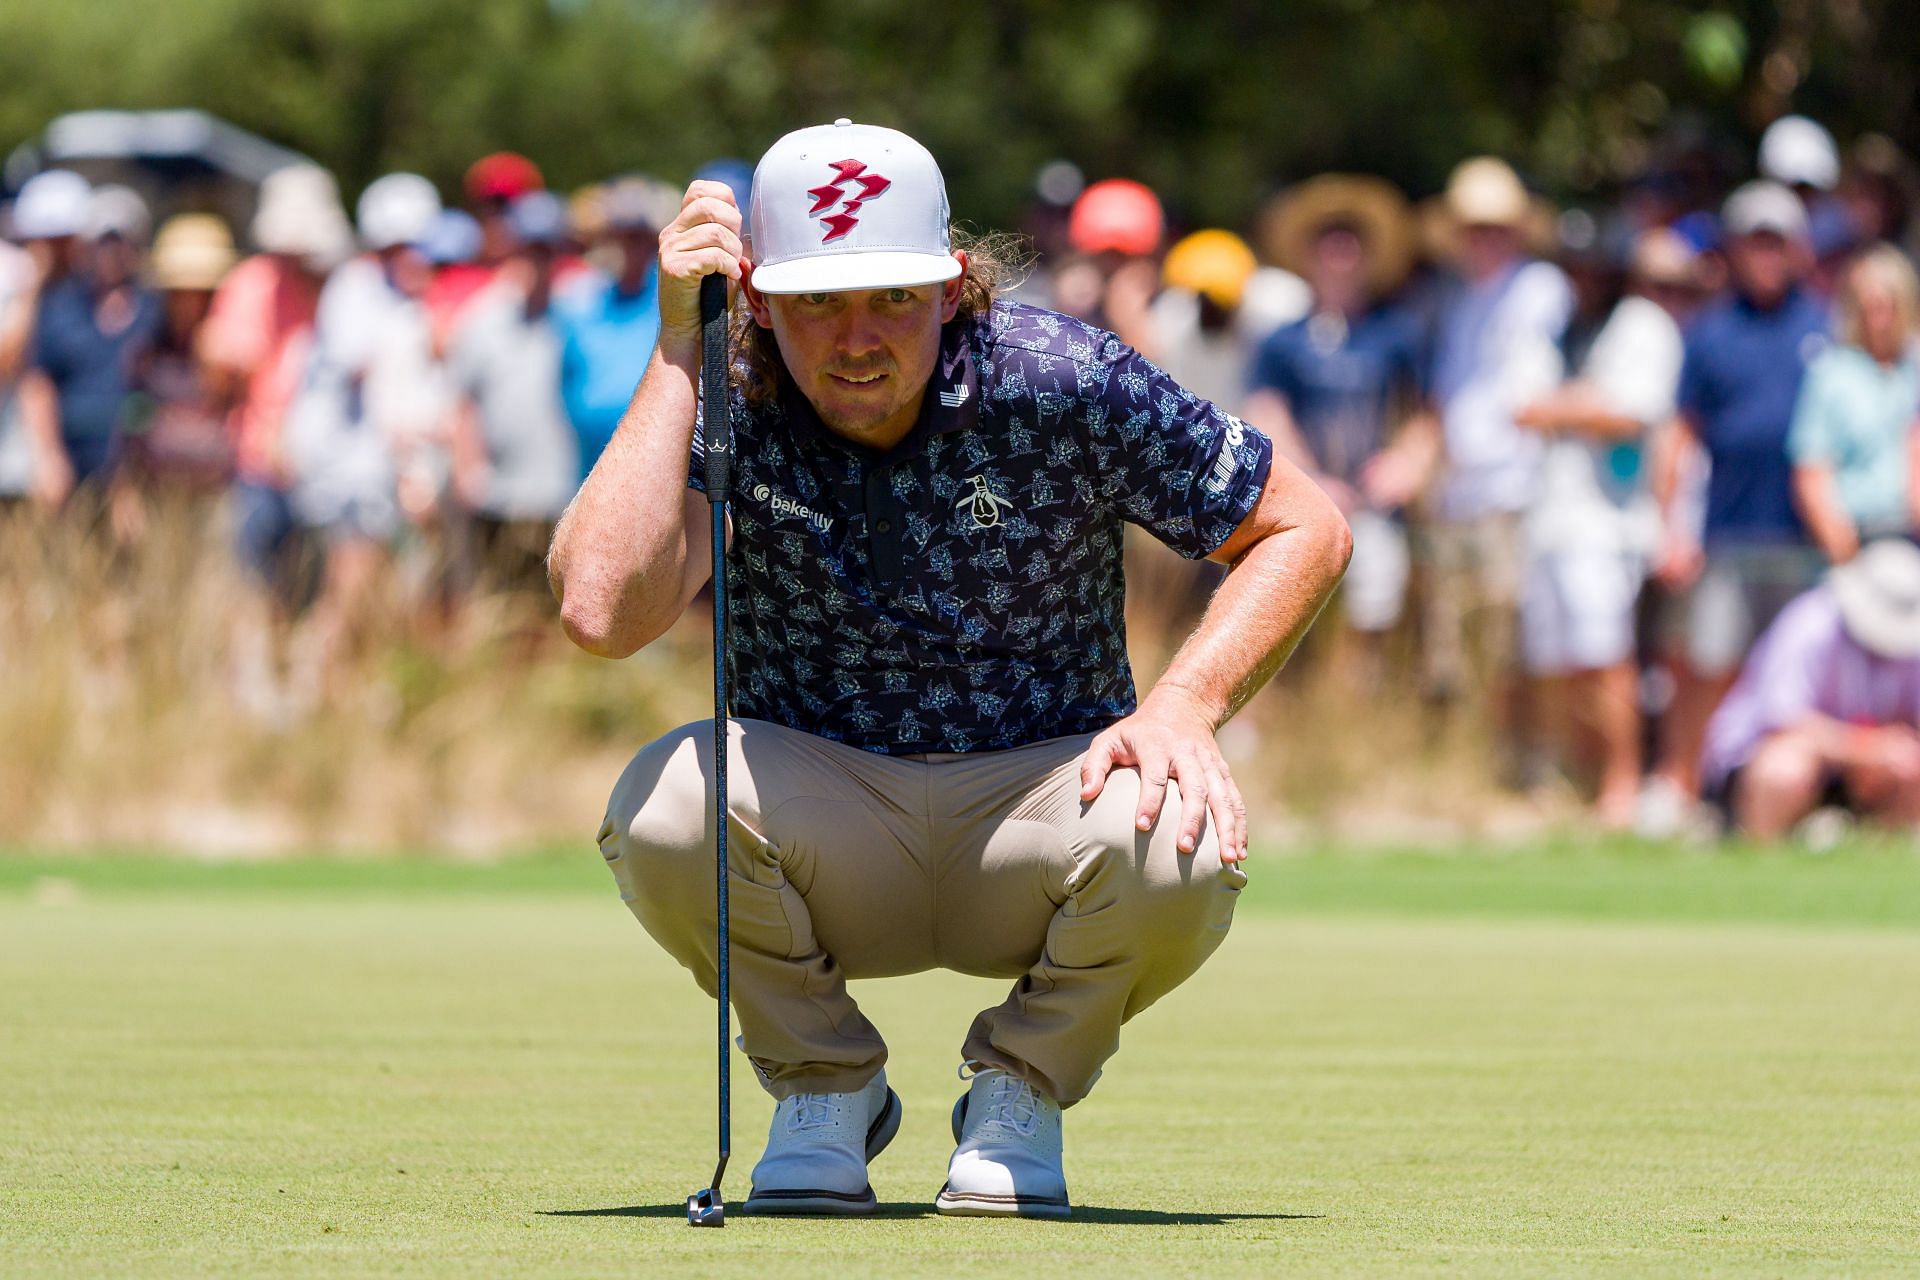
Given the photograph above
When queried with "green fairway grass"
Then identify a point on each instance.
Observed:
(1569, 1061)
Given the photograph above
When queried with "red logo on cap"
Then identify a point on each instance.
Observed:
(866, 187)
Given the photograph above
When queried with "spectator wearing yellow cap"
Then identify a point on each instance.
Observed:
(1197, 335)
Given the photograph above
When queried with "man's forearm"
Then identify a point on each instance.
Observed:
(619, 553)
(1257, 617)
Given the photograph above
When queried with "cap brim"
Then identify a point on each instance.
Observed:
(860, 269)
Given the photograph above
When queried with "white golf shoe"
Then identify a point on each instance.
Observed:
(818, 1149)
(1008, 1160)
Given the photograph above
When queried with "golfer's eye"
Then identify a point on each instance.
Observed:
(899, 295)
(816, 299)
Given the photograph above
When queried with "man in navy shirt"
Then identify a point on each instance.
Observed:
(94, 330)
(937, 758)
(1739, 381)
(1330, 387)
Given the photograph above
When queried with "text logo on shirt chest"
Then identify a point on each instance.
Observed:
(784, 507)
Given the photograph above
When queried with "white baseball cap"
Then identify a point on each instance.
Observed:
(1799, 152)
(848, 206)
(52, 205)
(396, 209)
(1761, 205)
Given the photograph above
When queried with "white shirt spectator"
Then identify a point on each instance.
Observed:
(1497, 349)
(1593, 493)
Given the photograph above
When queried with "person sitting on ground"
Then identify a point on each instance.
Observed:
(936, 758)
(1827, 708)
(1853, 441)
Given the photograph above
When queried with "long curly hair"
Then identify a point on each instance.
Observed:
(996, 262)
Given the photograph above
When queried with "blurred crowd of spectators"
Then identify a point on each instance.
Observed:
(1590, 457)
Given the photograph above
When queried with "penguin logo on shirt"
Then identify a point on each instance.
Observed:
(986, 505)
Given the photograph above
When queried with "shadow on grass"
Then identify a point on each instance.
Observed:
(909, 1209)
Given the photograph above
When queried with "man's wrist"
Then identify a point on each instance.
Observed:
(1212, 710)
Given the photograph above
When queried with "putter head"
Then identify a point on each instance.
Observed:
(706, 1209)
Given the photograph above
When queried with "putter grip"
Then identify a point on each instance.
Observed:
(716, 420)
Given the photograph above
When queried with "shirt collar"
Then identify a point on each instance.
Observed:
(952, 402)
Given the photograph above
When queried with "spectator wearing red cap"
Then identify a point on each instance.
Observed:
(1115, 229)
(492, 183)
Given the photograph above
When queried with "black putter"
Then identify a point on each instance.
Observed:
(707, 1208)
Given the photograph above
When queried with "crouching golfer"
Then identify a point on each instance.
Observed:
(937, 759)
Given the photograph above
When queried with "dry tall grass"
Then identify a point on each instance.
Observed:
(118, 724)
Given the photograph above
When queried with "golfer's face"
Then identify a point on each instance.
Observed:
(863, 359)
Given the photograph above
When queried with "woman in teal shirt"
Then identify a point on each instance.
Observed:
(1854, 444)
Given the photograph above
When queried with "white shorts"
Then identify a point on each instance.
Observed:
(1374, 591)
(1577, 610)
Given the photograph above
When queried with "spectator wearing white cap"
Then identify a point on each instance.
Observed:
(514, 451)
(1827, 709)
(1745, 357)
(1854, 443)
(365, 417)
(45, 220)
(93, 330)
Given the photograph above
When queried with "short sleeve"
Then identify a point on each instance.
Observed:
(1165, 459)
(1810, 437)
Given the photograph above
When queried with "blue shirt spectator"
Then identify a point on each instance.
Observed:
(607, 335)
(1340, 380)
(1856, 416)
(1738, 384)
(92, 361)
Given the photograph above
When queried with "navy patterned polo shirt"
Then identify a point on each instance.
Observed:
(963, 590)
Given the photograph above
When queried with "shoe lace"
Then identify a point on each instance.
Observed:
(1012, 1104)
(811, 1111)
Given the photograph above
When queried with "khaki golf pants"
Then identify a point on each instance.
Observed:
(847, 864)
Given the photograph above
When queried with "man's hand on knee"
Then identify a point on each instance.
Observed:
(1171, 738)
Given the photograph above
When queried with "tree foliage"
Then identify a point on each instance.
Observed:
(1214, 104)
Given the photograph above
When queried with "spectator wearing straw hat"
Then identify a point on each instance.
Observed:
(1330, 388)
(176, 434)
(1827, 708)
(94, 329)
(1496, 349)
